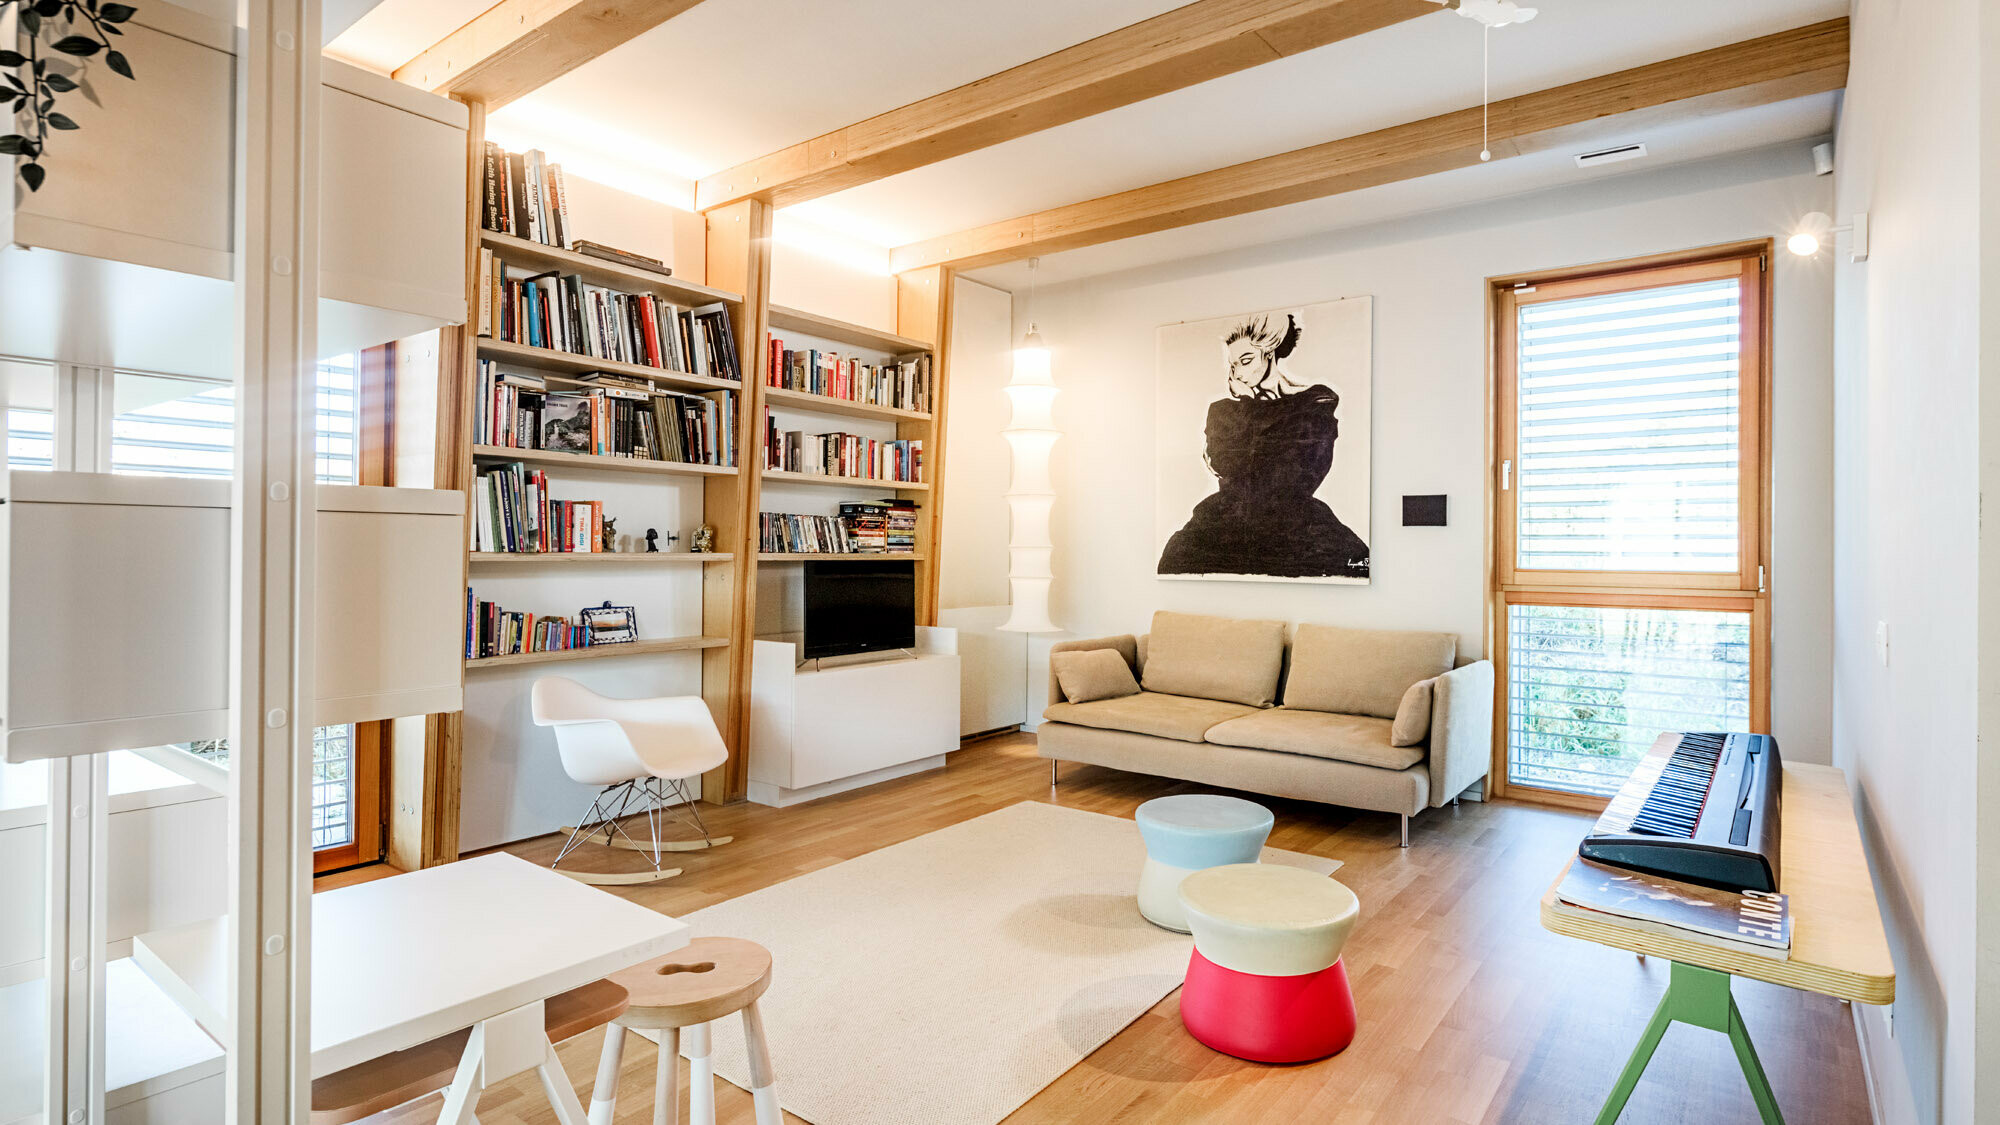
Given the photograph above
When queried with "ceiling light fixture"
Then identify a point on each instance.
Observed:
(1490, 14)
(1817, 228)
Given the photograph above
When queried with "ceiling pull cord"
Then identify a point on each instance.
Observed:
(1485, 93)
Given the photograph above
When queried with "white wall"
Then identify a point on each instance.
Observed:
(1427, 275)
(1908, 497)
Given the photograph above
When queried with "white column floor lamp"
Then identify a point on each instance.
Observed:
(1031, 434)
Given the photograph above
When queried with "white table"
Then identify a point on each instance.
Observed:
(400, 961)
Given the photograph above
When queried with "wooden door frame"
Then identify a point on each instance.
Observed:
(1745, 591)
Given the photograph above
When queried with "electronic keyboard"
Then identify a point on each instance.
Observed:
(1701, 808)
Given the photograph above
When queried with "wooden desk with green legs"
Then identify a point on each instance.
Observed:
(1838, 947)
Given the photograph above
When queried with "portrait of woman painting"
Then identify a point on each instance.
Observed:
(1264, 445)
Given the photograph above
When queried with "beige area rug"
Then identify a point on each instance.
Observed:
(947, 979)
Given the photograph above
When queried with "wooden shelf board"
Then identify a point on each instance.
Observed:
(845, 482)
(861, 336)
(588, 461)
(839, 556)
(520, 251)
(523, 355)
(805, 400)
(585, 558)
(593, 652)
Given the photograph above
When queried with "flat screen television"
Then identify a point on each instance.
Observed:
(856, 606)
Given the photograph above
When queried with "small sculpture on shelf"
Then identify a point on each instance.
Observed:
(610, 534)
(704, 540)
(652, 540)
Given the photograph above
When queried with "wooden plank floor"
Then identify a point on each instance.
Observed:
(1470, 1012)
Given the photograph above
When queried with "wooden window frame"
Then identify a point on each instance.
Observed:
(374, 464)
(1744, 591)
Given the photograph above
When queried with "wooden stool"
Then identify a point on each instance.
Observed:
(365, 1089)
(688, 988)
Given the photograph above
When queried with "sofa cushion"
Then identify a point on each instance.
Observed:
(1361, 739)
(1093, 674)
(1150, 712)
(1413, 714)
(1204, 657)
(1362, 671)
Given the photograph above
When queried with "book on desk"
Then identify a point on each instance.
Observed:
(1756, 922)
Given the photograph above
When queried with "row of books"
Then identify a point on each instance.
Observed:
(792, 533)
(524, 195)
(562, 312)
(860, 529)
(610, 416)
(841, 454)
(491, 630)
(515, 514)
(903, 384)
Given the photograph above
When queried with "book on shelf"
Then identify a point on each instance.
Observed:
(792, 533)
(621, 257)
(903, 384)
(564, 313)
(602, 415)
(841, 454)
(513, 513)
(493, 630)
(900, 524)
(1756, 922)
(525, 196)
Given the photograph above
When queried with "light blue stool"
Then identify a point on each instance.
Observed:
(1188, 833)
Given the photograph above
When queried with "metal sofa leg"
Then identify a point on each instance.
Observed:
(1406, 830)
(1052, 772)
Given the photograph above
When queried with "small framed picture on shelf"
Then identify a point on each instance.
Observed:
(609, 624)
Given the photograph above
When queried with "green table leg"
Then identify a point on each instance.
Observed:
(1699, 997)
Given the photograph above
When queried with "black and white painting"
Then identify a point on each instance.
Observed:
(1263, 445)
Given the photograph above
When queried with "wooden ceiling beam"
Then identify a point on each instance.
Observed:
(1183, 47)
(518, 46)
(1789, 64)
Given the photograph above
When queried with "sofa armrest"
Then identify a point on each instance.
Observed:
(1124, 643)
(1461, 730)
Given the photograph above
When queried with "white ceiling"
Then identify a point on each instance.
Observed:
(697, 95)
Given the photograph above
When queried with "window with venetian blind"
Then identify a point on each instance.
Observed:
(1630, 514)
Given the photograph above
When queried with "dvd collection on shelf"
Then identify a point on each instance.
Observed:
(889, 527)
(841, 454)
(514, 514)
(608, 416)
(902, 384)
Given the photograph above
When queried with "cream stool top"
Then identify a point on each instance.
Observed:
(1268, 920)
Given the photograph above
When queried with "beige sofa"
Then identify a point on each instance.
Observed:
(1369, 719)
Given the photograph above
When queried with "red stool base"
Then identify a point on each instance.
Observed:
(1268, 1019)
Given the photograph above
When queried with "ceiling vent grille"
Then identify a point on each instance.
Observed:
(1609, 155)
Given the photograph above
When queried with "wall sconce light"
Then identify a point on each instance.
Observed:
(1031, 434)
(1817, 229)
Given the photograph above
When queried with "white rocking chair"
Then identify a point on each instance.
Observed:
(643, 752)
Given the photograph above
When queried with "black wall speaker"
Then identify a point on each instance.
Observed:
(1423, 511)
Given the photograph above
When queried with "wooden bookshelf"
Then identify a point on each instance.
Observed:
(830, 480)
(840, 556)
(594, 558)
(859, 335)
(592, 461)
(551, 359)
(804, 400)
(598, 652)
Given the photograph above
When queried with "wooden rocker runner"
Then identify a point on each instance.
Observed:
(643, 753)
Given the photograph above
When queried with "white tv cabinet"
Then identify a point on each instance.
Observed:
(817, 732)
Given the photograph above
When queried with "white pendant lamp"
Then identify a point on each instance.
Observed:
(1031, 434)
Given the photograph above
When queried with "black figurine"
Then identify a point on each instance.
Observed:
(652, 541)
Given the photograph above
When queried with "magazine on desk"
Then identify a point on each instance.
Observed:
(1753, 921)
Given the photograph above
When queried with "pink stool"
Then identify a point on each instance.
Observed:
(1266, 982)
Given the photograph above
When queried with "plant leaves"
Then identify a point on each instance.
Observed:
(116, 13)
(12, 58)
(79, 45)
(30, 23)
(116, 61)
(33, 175)
(13, 144)
(60, 121)
(48, 9)
(60, 83)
